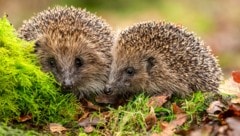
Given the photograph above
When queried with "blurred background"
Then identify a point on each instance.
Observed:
(217, 22)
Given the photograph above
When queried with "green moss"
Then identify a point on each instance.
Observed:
(9, 131)
(24, 88)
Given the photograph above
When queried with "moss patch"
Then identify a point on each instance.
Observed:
(24, 88)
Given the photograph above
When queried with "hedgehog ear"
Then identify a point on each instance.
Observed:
(151, 61)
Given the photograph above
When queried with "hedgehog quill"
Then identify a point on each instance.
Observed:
(161, 58)
(74, 45)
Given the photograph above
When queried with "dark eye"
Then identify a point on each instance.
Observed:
(52, 62)
(78, 62)
(37, 44)
(130, 71)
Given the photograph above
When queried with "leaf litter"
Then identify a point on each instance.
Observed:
(221, 118)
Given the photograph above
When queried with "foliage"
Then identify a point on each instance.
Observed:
(9, 131)
(131, 118)
(24, 88)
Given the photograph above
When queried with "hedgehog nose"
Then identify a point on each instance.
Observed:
(108, 90)
(67, 85)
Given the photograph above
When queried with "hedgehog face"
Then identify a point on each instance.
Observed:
(130, 72)
(74, 45)
(76, 66)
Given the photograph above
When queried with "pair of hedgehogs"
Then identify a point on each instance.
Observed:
(87, 58)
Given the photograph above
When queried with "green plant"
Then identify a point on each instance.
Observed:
(24, 88)
(194, 105)
(9, 131)
(130, 118)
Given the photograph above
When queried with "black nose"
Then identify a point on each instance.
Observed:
(67, 87)
(67, 84)
(108, 90)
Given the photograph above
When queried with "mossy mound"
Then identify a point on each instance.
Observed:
(24, 88)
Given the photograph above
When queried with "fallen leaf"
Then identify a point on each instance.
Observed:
(155, 134)
(236, 100)
(176, 109)
(84, 116)
(157, 101)
(55, 127)
(25, 118)
(236, 76)
(91, 106)
(234, 124)
(88, 129)
(170, 128)
(151, 119)
(222, 129)
(93, 121)
(230, 87)
(216, 107)
(233, 111)
(163, 124)
(236, 109)
(204, 131)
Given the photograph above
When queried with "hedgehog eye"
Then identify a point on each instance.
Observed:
(52, 62)
(37, 46)
(78, 62)
(130, 71)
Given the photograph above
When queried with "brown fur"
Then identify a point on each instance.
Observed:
(74, 45)
(165, 59)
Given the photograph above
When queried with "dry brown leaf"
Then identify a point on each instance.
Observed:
(234, 124)
(55, 127)
(25, 118)
(236, 109)
(177, 109)
(91, 106)
(215, 108)
(157, 101)
(236, 76)
(233, 111)
(151, 119)
(93, 121)
(163, 124)
(84, 116)
(204, 131)
(88, 105)
(170, 128)
(222, 129)
(88, 129)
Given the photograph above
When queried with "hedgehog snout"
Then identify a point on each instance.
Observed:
(108, 90)
(67, 85)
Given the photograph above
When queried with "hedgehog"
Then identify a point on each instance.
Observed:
(160, 58)
(74, 45)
